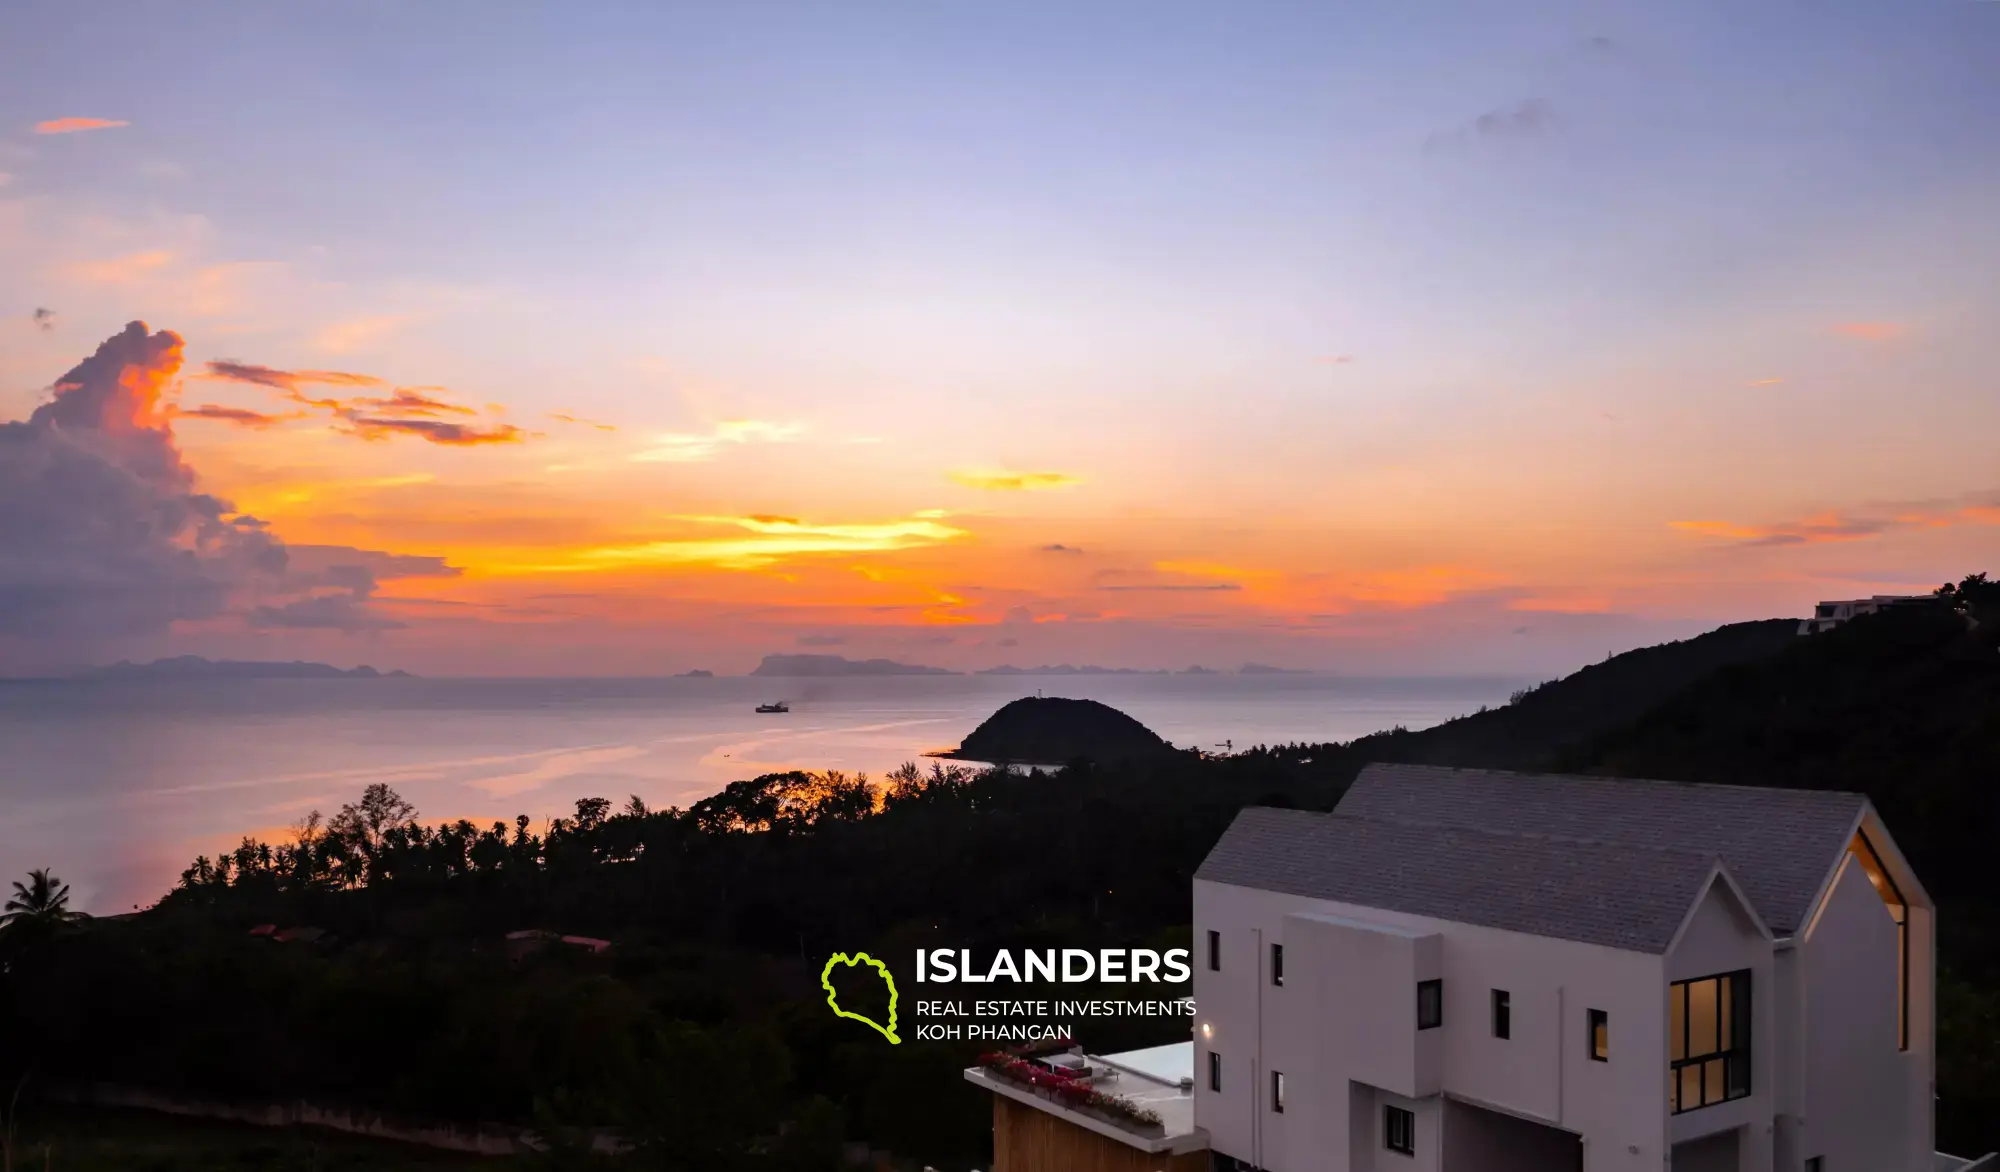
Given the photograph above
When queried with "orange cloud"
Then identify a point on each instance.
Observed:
(1014, 481)
(766, 540)
(1870, 331)
(1766, 382)
(73, 125)
(373, 427)
(288, 381)
(1836, 526)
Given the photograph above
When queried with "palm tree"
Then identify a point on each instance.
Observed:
(43, 901)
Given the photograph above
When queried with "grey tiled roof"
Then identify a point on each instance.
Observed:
(1778, 844)
(1619, 895)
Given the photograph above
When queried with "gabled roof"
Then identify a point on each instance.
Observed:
(1620, 895)
(1778, 844)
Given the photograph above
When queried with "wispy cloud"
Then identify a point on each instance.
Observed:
(1173, 587)
(1058, 547)
(566, 417)
(378, 427)
(1766, 382)
(1335, 359)
(760, 540)
(241, 416)
(1871, 331)
(417, 411)
(1859, 525)
(1521, 122)
(122, 270)
(75, 125)
(691, 447)
(1014, 481)
(341, 337)
(288, 381)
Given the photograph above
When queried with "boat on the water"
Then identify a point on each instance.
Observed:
(780, 706)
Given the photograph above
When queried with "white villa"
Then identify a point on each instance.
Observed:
(1475, 971)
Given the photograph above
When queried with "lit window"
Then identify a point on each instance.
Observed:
(1430, 1004)
(1708, 1040)
(1399, 1130)
(1278, 1091)
(1600, 1036)
(1864, 852)
(1277, 964)
(1503, 1014)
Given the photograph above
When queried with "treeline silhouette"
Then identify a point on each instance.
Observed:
(702, 1033)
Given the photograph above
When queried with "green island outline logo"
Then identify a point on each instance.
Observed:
(833, 1001)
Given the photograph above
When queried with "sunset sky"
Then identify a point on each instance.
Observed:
(607, 338)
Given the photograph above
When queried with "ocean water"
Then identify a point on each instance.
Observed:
(118, 786)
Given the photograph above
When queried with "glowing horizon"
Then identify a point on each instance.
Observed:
(1058, 343)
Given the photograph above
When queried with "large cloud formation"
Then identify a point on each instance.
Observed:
(105, 533)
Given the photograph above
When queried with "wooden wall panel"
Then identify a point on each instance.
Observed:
(1027, 1140)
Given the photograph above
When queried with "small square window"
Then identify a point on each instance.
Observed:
(1278, 1092)
(1430, 1004)
(1503, 1014)
(1277, 964)
(1399, 1130)
(1600, 1036)
(1214, 1071)
(1214, 952)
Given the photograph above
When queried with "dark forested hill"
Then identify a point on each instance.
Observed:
(1541, 722)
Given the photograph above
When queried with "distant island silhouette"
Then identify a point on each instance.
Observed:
(700, 673)
(1054, 730)
(793, 666)
(190, 667)
(1265, 669)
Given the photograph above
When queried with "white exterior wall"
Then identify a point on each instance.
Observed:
(1864, 1103)
(1720, 937)
(1543, 1072)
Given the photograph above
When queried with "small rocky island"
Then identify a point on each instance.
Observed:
(1055, 731)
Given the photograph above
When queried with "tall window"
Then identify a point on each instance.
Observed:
(1277, 964)
(1503, 1014)
(1214, 951)
(1871, 862)
(1214, 1071)
(1399, 1130)
(1430, 1004)
(1600, 1036)
(1278, 1092)
(1708, 1040)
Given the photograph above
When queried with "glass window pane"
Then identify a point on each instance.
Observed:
(1701, 1018)
(1677, 1022)
(1712, 1081)
(1739, 1075)
(1690, 1087)
(1724, 989)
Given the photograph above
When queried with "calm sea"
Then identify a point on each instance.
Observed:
(118, 786)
